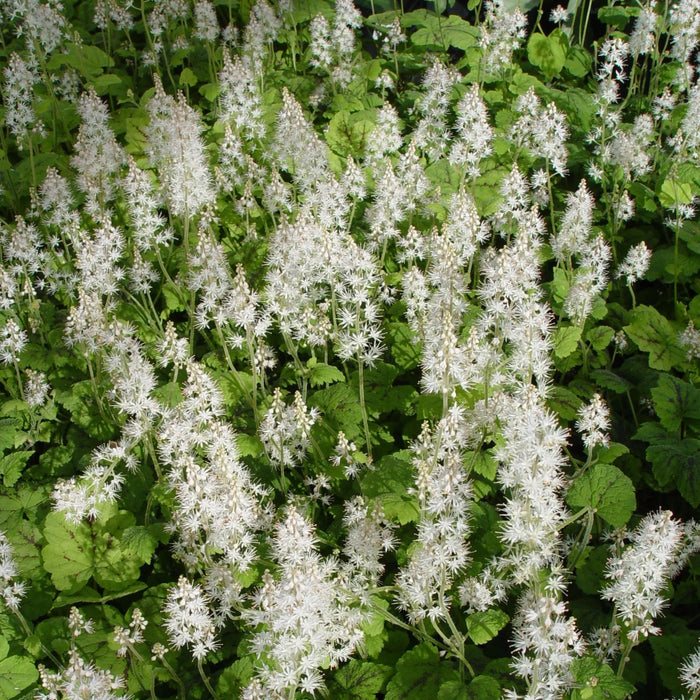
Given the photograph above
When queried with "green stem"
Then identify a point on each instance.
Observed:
(363, 406)
(182, 693)
(625, 657)
(206, 680)
(579, 549)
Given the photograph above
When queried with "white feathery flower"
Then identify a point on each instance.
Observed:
(642, 38)
(545, 643)
(531, 468)
(148, 226)
(240, 97)
(636, 263)
(176, 148)
(36, 388)
(502, 33)
(189, 621)
(206, 24)
(690, 339)
(304, 618)
(576, 224)
(43, 22)
(385, 138)
(431, 133)
(474, 133)
(18, 96)
(559, 15)
(97, 257)
(285, 430)
(320, 45)
(97, 156)
(441, 551)
(369, 535)
(640, 571)
(594, 423)
(689, 672)
(80, 678)
(11, 590)
(12, 340)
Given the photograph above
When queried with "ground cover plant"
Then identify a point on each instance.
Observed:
(349, 351)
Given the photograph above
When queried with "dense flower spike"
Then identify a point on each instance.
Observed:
(640, 571)
(304, 617)
(175, 147)
(189, 622)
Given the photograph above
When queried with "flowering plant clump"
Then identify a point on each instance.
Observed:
(349, 349)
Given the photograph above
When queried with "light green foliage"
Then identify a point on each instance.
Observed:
(654, 333)
(548, 52)
(75, 553)
(599, 681)
(484, 626)
(606, 490)
(419, 674)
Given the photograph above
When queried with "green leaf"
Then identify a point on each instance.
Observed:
(210, 91)
(677, 463)
(74, 553)
(107, 83)
(348, 131)
(24, 501)
(453, 690)
(484, 463)
(390, 481)
(26, 539)
(484, 626)
(87, 59)
(382, 397)
(460, 33)
(590, 574)
(419, 672)
(653, 333)
(340, 406)
(249, 445)
(600, 336)
(607, 490)
(173, 299)
(85, 595)
(597, 681)
(669, 651)
(235, 678)
(675, 401)
(9, 427)
(445, 31)
(616, 16)
(548, 52)
(360, 680)
(444, 175)
(188, 77)
(323, 374)
(670, 264)
(564, 402)
(609, 380)
(80, 401)
(16, 674)
(578, 61)
(11, 466)
(566, 340)
(484, 688)
(673, 192)
(141, 541)
(607, 455)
